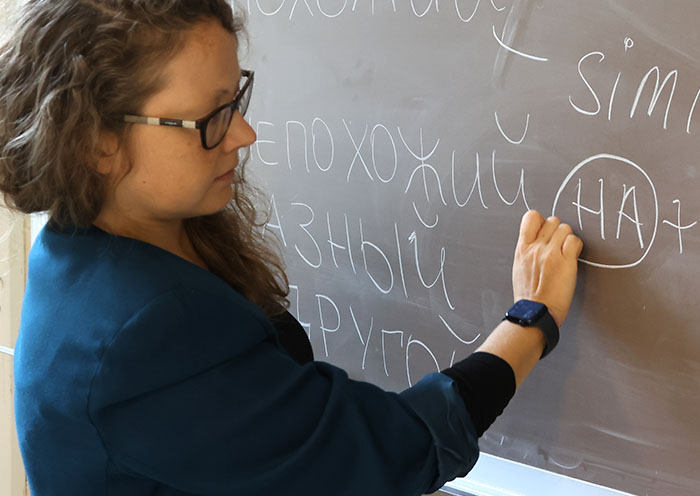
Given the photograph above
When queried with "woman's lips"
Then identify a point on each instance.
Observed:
(228, 175)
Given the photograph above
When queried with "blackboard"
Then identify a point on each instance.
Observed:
(401, 142)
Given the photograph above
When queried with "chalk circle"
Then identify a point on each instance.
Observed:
(653, 189)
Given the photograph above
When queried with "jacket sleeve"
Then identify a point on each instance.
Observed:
(207, 403)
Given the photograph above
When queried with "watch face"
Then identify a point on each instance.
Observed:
(527, 311)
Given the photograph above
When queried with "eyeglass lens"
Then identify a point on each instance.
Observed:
(219, 123)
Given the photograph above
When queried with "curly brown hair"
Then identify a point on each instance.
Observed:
(69, 70)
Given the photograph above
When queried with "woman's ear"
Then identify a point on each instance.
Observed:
(109, 155)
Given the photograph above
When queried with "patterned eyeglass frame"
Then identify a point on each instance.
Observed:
(202, 123)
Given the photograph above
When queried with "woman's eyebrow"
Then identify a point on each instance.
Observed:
(223, 91)
(218, 97)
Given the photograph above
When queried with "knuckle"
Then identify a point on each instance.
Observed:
(550, 255)
(567, 228)
(540, 253)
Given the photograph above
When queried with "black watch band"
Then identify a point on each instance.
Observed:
(533, 314)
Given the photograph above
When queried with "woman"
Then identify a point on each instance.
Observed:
(155, 354)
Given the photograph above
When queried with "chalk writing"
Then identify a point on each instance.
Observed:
(475, 184)
(515, 142)
(332, 9)
(474, 340)
(517, 52)
(376, 121)
(358, 153)
(274, 214)
(329, 320)
(384, 333)
(657, 92)
(366, 148)
(600, 212)
(324, 329)
(621, 213)
(670, 81)
(313, 144)
(369, 335)
(313, 240)
(441, 273)
(332, 243)
(613, 160)
(588, 85)
(679, 226)
(374, 154)
(376, 142)
(367, 244)
(420, 343)
(294, 293)
(521, 185)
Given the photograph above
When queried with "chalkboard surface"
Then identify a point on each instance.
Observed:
(401, 142)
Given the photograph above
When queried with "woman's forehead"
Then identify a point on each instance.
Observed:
(206, 64)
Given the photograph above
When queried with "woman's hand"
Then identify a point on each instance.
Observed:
(545, 264)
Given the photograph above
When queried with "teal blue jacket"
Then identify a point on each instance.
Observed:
(139, 373)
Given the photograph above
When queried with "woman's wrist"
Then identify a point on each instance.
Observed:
(520, 346)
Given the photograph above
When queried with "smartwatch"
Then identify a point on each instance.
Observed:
(533, 314)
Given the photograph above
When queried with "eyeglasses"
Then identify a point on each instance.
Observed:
(214, 126)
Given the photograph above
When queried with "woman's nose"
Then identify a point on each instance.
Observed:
(240, 134)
